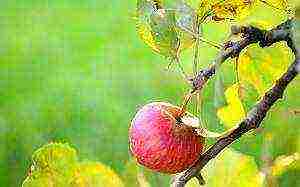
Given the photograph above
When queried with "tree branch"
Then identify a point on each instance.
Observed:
(250, 35)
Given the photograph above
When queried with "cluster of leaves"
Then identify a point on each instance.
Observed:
(77, 71)
(56, 164)
(169, 27)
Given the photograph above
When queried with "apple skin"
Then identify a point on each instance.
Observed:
(161, 142)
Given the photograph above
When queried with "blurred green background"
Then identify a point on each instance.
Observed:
(76, 71)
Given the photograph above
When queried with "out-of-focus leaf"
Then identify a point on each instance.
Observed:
(136, 176)
(95, 174)
(232, 169)
(56, 165)
(142, 180)
(130, 173)
(233, 113)
(52, 165)
(283, 163)
(262, 67)
(54, 156)
(219, 96)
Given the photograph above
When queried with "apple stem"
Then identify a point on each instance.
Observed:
(186, 100)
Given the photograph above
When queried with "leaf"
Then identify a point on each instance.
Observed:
(283, 163)
(168, 27)
(136, 176)
(54, 156)
(130, 173)
(52, 165)
(56, 164)
(156, 26)
(233, 113)
(186, 23)
(95, 174)
(230, 168)
(231, 9)
(221, 9)
(262, 67)
(204, 8)
(277, 4)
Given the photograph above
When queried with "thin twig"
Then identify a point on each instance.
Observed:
(282, 32)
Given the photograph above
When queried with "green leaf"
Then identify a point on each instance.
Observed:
(186, 22)
(162, 23)
(156, 26)
(262, 67)
(168, 27)
(230, 168)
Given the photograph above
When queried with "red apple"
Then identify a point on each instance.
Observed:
(160, 141)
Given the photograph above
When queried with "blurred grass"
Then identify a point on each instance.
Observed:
(76, 71)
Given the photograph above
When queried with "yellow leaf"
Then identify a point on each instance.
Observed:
(144, 32)
(231, 168)
(283, 163)
(56, 165)
(95, 174)
(278, 4)
(230, 9)
(233, 113)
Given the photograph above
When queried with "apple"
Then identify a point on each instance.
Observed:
(162, 141)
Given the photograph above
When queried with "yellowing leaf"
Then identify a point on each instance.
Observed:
(95, 174)
(232, 169)
(233, 113)
(54, 156)
(262, 67)
(230, 9)
(220, 10)
(168, 27)
(156, 27)
(283, 163)
(277, 4)
(186, 23)
(56, 165)
(144, 32)
(52, 165)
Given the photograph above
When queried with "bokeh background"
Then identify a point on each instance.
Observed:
(76, 71)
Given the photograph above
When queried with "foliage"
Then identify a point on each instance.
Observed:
(56, 164)
(76, 71)
(233, 113)
(243, 171)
